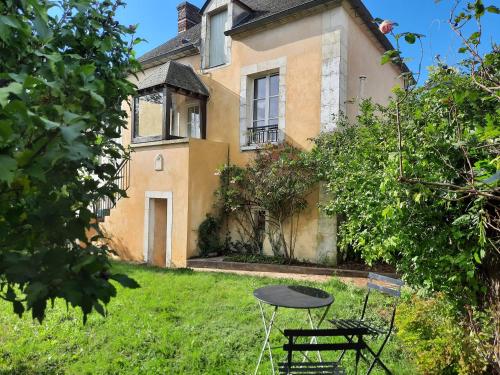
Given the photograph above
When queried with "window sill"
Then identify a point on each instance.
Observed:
(213, 68)
(259, 146)
(160, 143)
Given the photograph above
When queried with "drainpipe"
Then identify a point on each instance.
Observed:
(361, 92)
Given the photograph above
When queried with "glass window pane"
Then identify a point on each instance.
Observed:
(273, 107)
(259, 91)
(149, 115)
(259, 109)
(194, 122)
(273, 121)
(274, 82)
(258, 124)
(185, 119)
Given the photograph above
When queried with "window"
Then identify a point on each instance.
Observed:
(265, 109)
(193, 122)
(165, 114)
(217, 49)
(148, 114)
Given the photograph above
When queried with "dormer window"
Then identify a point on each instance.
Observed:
(217, 47)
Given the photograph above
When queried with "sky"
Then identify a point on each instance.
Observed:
(157, 20)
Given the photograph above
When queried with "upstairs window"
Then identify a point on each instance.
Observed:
(266, 101)
(217, 48)
(265, 105)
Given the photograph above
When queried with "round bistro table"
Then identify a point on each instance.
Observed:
(291, 297)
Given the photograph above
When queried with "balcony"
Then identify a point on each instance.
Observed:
(262, 135)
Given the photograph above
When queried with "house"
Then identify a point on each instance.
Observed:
(239, 73)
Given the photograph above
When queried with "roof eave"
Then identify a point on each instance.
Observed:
(357, 5)
(277, 16)
(187, 50)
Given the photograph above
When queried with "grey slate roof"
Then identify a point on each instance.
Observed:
(189, 38)
(263, 12)
(261, 9)
(174, 74)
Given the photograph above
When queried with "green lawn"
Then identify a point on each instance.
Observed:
(179, 322)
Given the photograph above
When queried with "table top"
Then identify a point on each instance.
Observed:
(293, 296)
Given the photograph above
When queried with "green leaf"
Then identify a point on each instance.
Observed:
(8, 168)
(493, 9)
(125, 281)
(36, 291)
(98, 307)
(85, 261)
(71, 132)
(410, 38)
(13, 88)
(98, 97)
(477, 258)
(42, 28)
(385, 59)
(10, 21)
(49, 125)
(5, 128)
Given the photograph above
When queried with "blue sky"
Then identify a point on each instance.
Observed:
(157, 21)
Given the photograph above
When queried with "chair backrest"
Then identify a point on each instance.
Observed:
(386, 285)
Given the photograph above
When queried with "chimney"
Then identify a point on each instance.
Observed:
(188, 16)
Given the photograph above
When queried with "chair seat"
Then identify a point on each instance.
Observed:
(311, 368)
(353, 323)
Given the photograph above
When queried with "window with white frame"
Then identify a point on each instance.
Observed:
(217, 48)
(193, 121)
(265, 109)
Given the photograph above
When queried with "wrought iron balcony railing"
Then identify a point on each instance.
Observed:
(263, 134)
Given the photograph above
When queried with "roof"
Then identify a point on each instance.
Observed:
(173, 74)
(263, 12)
(186, 41)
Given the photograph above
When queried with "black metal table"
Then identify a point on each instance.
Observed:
(291, 297)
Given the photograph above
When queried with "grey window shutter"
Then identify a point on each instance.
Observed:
(217, 52)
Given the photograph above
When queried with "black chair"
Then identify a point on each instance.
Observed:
(385, 285)
(320, 368)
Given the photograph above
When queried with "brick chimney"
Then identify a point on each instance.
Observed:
(188, 16)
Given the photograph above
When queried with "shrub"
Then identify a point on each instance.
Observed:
(209, 236)
(436, 339)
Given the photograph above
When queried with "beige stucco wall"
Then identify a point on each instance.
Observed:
(189, 167)
(125, 225)
(364, 60)
(205, 157)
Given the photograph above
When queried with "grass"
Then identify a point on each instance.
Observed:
(179, 322)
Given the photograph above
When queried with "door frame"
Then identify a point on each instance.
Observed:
(149, 214)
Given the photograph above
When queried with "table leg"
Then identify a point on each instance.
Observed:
(314, 339)
(267, 329)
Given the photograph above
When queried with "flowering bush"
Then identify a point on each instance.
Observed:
(275, 183)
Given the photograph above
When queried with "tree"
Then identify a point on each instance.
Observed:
(63, 79)
(418, 180)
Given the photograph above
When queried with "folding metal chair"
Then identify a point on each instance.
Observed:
(320, 368)
(385, 285)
